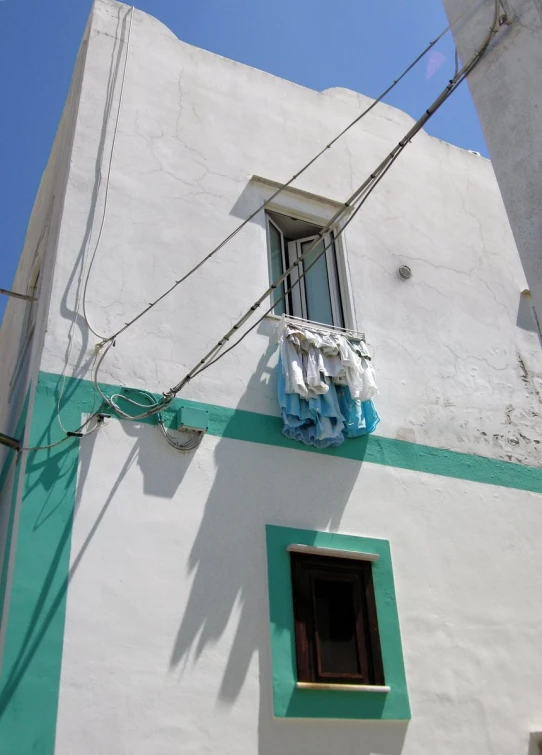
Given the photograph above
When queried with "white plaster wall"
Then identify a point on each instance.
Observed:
(507, 91)
(166, 647)
(454, 368)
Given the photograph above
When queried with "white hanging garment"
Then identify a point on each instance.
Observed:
(309, 356)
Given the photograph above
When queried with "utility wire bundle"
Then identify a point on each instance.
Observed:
(339, 222)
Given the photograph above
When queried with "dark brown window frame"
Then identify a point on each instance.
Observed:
(305, 569)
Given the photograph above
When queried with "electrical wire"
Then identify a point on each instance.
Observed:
(108, 178)
(81, 297)
(156, 407)
(356, 201)
(151, 305)
(363, 191)
(190, 445)
(195, 436)
(151, 409)
(69, 436)
(298, 279)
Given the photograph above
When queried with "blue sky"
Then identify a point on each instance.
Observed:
(316, 43)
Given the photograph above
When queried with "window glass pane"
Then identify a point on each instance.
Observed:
(335, 288)
(275, 247)
(317, 285)
(335, 621)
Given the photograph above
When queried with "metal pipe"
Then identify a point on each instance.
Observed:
(26, 297)
(7, 440)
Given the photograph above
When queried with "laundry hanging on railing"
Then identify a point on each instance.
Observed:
(325, 385)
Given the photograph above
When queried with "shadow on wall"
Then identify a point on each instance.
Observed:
(51, 478)
(75, 284)
(228, 566)
(162, 467)
(526, 317)
(227, 562)
(54, 473)
(248, 201)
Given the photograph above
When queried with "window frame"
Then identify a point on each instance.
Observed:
(295, 301)
(305, 568)
(269, 221)
(298, 300)
(294, 699)
(318, 211)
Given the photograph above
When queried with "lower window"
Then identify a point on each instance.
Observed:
(336, 626)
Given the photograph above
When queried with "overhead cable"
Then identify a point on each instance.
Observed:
(72, 434)
(80, 295)
(297, 280)
(198, 265)
(190, 444)
(108, 178)
(354, 204)
(360, 196)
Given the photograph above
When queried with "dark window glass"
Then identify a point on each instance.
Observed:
(336, 628)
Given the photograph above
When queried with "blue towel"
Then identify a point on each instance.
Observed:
(325, 420)
(361, 417)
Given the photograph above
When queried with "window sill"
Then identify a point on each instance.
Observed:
(344, 687)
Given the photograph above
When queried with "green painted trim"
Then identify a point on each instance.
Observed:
(239, 424)
(290, 702)
(10, 457)
(8, 540)
(30, 675)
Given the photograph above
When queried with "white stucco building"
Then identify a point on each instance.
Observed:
(507, 90)
(146, 594)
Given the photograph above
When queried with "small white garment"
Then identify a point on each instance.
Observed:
(309, 356)
(292, 363)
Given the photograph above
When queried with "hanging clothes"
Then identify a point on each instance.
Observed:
(325, 386)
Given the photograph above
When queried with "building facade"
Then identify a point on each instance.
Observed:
(507, 92)
(146, 594)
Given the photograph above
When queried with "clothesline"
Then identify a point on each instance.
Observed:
(355, 335)
(325, 384)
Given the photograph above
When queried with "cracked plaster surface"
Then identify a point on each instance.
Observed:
(190, 136)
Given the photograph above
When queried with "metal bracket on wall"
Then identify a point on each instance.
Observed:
(16, 295)
(7, 440)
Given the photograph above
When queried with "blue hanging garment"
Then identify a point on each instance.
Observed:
(325, 420)
(361, 417)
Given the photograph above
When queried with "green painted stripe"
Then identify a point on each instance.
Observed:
(17, 433)
(31, 663)
(253, 427)
(10, 457)
(9, 538)
(30, 675)
(262, 428)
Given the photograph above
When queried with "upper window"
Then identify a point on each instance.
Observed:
(336, 627)
(317, 296)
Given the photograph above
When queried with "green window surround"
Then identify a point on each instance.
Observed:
(291, 701)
